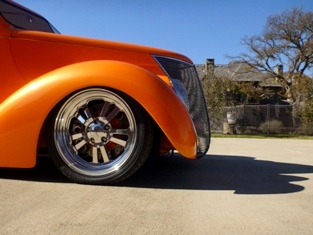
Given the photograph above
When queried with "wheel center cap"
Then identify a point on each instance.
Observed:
(97, 134)
(96, 127)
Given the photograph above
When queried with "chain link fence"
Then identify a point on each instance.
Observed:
(260, 119)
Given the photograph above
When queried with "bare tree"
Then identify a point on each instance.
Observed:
(286, 42)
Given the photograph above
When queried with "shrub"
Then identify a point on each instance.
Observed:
(305, 129)
(273, 128)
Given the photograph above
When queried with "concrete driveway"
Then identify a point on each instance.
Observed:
(243, 186)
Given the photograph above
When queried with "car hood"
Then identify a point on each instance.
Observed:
(81, 41)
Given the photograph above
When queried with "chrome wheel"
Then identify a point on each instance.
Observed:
(99, 136)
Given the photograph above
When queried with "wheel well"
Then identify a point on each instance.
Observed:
(42, 139)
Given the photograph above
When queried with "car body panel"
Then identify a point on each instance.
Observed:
(10, 78)
(23, 113)
(34, 49)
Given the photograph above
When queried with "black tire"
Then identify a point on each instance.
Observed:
(97, 136)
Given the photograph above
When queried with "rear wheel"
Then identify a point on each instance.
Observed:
(98, 136)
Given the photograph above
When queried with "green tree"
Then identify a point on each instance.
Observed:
(215, 89)
(222, 92)
(305, 110)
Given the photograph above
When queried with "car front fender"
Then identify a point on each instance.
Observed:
(23, 113)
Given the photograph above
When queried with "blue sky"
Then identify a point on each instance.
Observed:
(199, 29)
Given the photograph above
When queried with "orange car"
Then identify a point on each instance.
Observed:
(100, 108)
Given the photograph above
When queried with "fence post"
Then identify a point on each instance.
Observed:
(268, 118)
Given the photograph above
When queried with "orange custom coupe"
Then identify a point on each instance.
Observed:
(100, 108)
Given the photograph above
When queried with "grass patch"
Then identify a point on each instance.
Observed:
(263, 136)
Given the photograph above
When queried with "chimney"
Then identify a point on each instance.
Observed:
(279, 70)
(209, 66)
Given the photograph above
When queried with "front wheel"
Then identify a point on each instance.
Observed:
(97, 136)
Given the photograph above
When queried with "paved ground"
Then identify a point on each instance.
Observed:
(244, 186)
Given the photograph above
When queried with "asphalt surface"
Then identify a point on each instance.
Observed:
(243, 186)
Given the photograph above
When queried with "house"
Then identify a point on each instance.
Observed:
(271, 91)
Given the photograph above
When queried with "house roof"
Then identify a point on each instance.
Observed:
(235, 71)
(239, 72)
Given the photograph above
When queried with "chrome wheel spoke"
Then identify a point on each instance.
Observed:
(95, 155)
(104, 109)
(87, 113)
(118, 141)
(85, 120)
(80, 144)
(77, 136)
(113, 113)
(104, 154)
(81, 119)
(120, 131)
